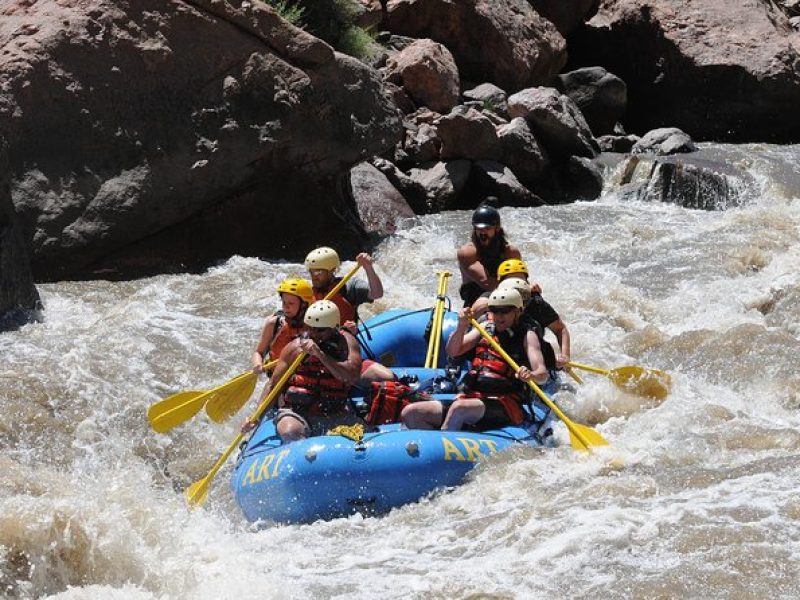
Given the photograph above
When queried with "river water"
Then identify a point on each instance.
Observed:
(696, 496)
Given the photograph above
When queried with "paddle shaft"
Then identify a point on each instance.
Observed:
(591, 369)
(435, 341)
(552, 405)
(256, 415)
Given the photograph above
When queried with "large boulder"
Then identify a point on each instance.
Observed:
(505, 42)
(719, 70)
(427, 72)
(152, 134)
(19, 300)
(601, 96)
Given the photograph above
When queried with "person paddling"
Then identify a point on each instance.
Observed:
(322, 264)
(479, 258)
(492, 394)
(316, 397)
(538, 313)
(284, 325)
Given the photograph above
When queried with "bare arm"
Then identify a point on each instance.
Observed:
(472, 269)
(267, 333)
(347, 370)
(375, 284)
(562, 335)
(460, 341)
(538, 371)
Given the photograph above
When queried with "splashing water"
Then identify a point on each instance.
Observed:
(695, 495)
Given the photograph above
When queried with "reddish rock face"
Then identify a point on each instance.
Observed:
(427, 72)
(504, 42)
(148, 135)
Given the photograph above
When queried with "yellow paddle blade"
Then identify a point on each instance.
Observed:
(226, 401)
(645, 382)
(178, 408)
(197, 493)
(579, 433)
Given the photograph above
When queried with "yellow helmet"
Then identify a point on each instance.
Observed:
(512, 265)
(519, 284)
(297, 287)
(323, 258)
(505, 297)
(323, 313)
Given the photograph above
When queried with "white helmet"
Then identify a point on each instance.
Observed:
(504, 297)
(519, 284)
(323, 313)
(323, 258)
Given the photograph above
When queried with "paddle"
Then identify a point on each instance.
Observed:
(197, 493)
(223, 406)
(581, 436)
(435, 340)
(639, 380)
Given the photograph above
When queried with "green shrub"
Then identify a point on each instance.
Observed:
(288, 10)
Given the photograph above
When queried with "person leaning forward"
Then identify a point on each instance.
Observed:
(492, 394)
(316, 397)
(322, 264)
(479, 258)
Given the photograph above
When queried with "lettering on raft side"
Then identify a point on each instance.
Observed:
(260, 471)
(467, 449)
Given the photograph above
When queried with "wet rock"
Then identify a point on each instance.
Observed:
(617, 143)
(689, 181)
(664, 141)
(581, 179)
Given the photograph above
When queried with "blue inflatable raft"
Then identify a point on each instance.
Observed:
(331, 476)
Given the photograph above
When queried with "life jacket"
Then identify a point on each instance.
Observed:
(347, 312)
(490, 376)
(313, 390)
(388, 399)
(285, 331)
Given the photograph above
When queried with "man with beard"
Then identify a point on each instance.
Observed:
(481, 256)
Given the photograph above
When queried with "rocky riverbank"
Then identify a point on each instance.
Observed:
(154, 136)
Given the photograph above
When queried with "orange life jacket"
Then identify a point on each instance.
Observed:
(284, 333)
(347, 312)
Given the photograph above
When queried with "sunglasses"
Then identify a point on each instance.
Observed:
(501, 310)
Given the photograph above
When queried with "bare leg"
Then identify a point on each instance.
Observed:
(422, 415)
(463, 410)
(291, 430)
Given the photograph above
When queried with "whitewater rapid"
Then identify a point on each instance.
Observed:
(694, 497)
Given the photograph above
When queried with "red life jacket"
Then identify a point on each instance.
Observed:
(314, 390)
(347, 312)
(284, 333)
(491, 377)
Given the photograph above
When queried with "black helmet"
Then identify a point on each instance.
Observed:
(485, 216)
